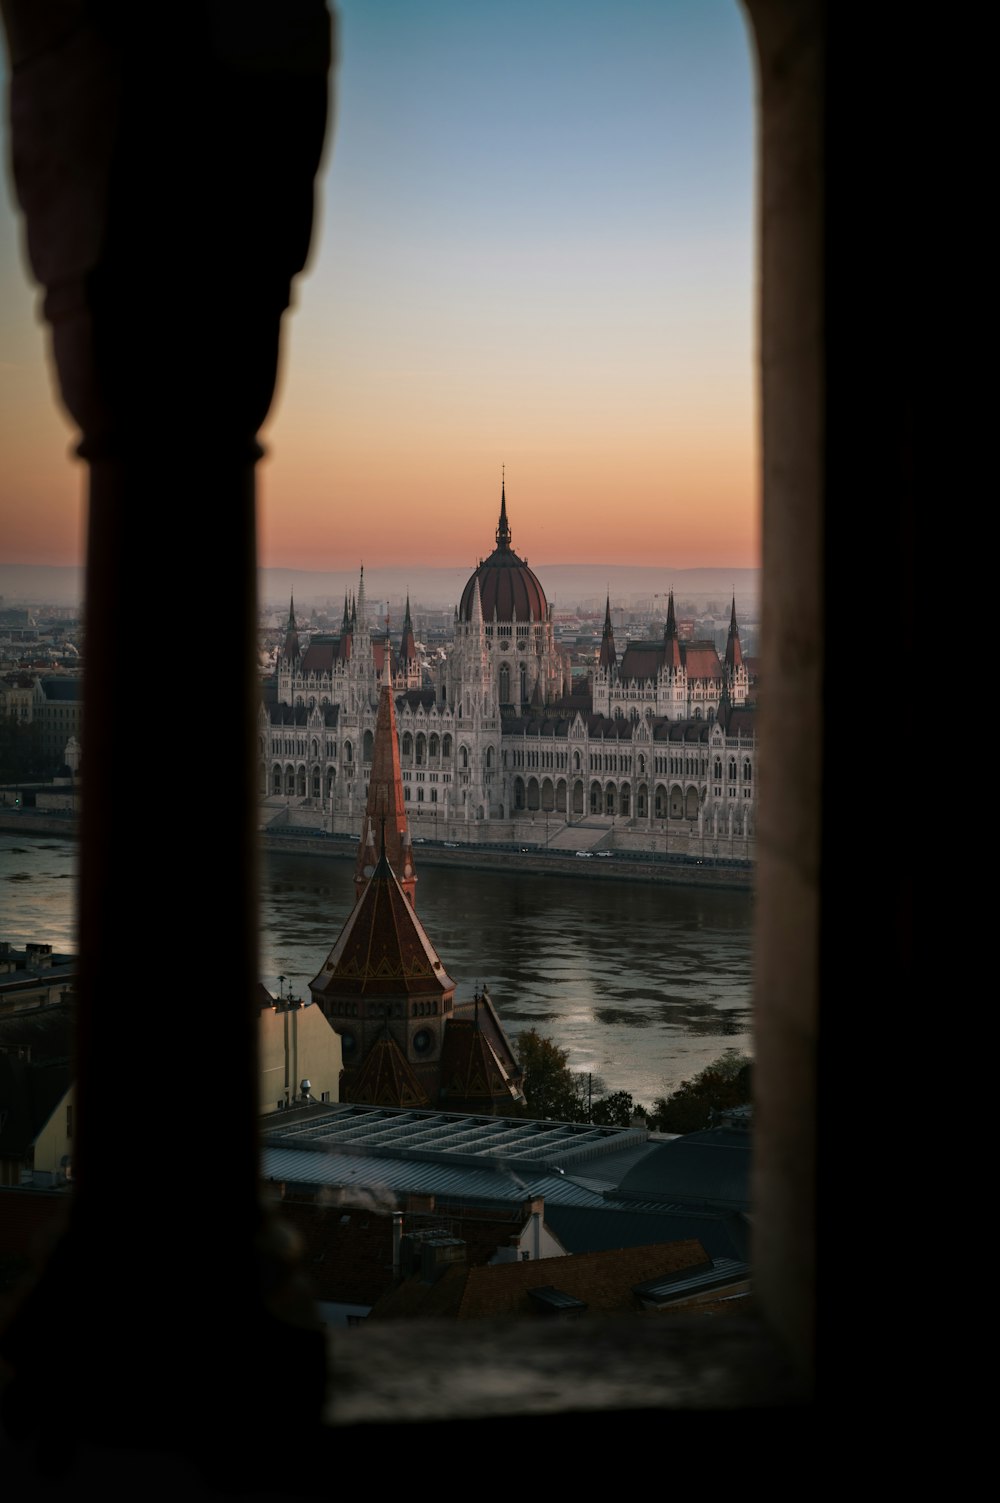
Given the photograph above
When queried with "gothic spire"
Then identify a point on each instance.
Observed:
(407, 645)
(503, 526)
(387, 653)
(291, 649)
(672, 656)
(734, 652)
(476, 615)
(608, 657)
(362, 603)
(386, 808)
(670, 630)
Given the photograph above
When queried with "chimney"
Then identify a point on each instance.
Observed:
(397, 1239)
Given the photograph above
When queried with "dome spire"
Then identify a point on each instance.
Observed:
(503, 526)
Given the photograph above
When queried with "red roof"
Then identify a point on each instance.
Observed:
(383, 951)
(702, 660)
(385, 1079)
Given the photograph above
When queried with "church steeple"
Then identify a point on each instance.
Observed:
(385, 812)
(503, 526)
(608, 657)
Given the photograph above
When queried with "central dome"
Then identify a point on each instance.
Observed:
(507, 587)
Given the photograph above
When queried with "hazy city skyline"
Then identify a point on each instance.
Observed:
(533, 250)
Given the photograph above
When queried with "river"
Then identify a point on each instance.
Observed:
(642, 984)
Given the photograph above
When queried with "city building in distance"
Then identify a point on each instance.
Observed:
(498, 739)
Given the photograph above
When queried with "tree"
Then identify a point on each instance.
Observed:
(21, 758)
(616, 1110)
(726, 1082)
(550, 1087)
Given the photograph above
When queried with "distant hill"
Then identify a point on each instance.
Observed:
(566, 585)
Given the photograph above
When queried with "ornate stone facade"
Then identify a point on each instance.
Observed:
(661, 737)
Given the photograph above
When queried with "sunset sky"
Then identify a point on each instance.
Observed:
(534, 248)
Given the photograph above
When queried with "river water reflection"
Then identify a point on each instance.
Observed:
(643, 985)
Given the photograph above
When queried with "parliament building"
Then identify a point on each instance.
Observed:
(498, 738)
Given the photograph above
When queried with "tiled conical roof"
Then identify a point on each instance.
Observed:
(383, 952)
(387, 1079)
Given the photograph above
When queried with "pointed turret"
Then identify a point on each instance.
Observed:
(346, 632)
(608, 657)
(291, 650)
(386, 667)
(407, 644)
(386, 807)
(362, 602)
(734, 652)
(476, 614)
(672, 656)
(382, 972)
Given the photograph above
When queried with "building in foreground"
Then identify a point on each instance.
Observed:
(406, 1040)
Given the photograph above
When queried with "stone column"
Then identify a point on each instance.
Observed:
(164, 165)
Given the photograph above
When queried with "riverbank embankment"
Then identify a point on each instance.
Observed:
(620, 865)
